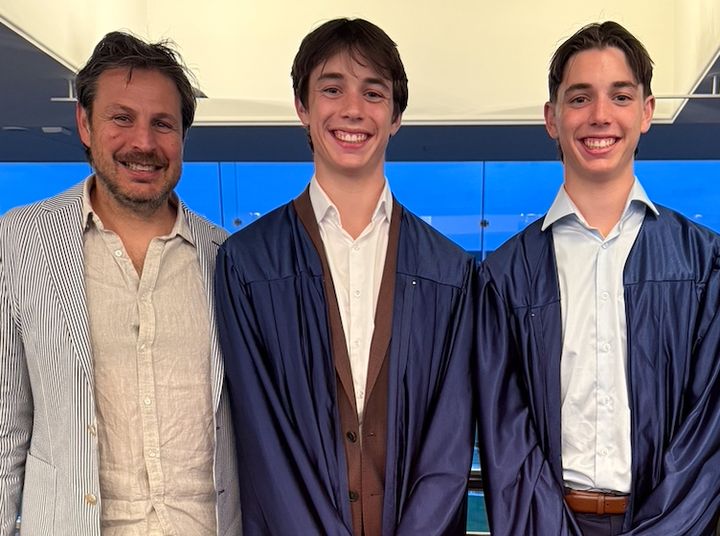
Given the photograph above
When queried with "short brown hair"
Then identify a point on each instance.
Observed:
(365, 42)
(602, 35)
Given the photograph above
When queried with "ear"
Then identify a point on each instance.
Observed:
(302, 112)
(550, 125)
(648, 111)
(395, 125)
(83, 124)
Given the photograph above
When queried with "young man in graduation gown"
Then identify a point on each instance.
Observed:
(347, 324)
(599, 380)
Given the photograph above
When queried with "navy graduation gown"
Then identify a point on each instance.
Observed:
(273, 323)
(672, 296)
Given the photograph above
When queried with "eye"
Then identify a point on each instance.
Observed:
(579, 100)
(374, 96)
(121, 119)
(330, 91)
(164, 126)
(623, 98)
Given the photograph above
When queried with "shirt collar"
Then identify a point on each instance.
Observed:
(324, 208)
(180, 227)
(563, 205)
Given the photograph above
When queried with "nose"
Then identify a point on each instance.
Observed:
(352, 105)
(144, 138)
(600, 114)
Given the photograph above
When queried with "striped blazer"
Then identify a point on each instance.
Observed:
(48, 443)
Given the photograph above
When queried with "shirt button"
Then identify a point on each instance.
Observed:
(147, 401)
(353, 496)
(356, 248)
(118, 252)
(605, 295)
(604, 452)
(152, 453)
(605, 347)
(352, 436)
(605, 245)
(92, 430)
(91, 499)
(357, 293)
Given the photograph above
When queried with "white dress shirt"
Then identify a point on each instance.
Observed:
(356, 267)
(596, 449)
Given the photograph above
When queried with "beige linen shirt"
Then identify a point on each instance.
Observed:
(151, 356)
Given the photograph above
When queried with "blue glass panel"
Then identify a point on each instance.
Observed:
(259, 188)
(25, 183)
(21, 184)
(199, 188)
(691, 188)
(448, 195)
(516, 194)
(477, 520)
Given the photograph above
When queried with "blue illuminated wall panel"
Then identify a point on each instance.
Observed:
(479, 205)
(21, 184)
(691, 188)
(250, 190)
(448, 195)
(516, 194)
(199, 188)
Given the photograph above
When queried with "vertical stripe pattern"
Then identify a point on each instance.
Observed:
(48, 446)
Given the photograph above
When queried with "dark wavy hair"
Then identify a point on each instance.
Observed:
(125, 51)
(364, 42)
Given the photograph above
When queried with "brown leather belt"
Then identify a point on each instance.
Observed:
(593, 502)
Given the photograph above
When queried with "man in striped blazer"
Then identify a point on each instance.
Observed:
(113, 416)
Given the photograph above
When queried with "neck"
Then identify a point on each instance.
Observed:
(135, 228)
(600, 202)
(355, 199)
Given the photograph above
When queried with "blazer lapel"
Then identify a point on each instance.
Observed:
(207, 241)
(60, 231)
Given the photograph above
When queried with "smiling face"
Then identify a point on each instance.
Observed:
(598, 116)
(135, 138)
(349, 114)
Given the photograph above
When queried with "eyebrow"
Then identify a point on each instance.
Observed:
(370, 80)
(117, 107)
(621, 84)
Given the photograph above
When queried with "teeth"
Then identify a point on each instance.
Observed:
(138, 167)
(350, 137)
(598, 143)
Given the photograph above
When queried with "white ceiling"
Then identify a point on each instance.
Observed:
(469, 62)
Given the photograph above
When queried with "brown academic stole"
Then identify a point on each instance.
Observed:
(366, 455)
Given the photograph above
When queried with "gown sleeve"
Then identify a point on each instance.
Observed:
(437, 498)
(280, 485)
(686, 498)
(521, 494)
